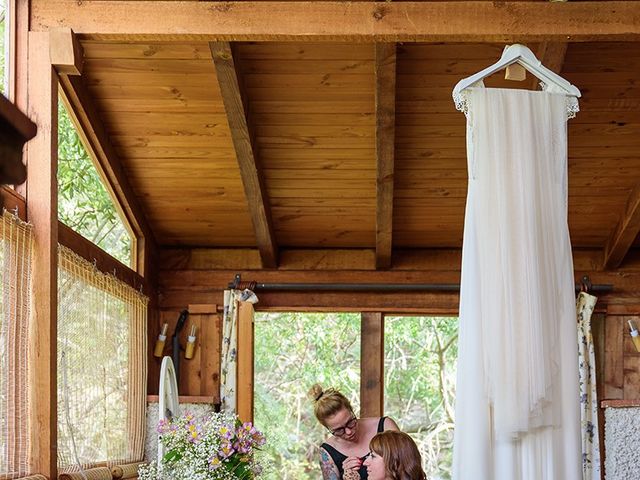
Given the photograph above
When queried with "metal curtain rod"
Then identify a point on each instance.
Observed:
(237, 283)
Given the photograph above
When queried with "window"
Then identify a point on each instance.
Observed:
(419, 379)
(83, 202)
(4, 47)
(292, 352)
(16, 245)
(102, 359)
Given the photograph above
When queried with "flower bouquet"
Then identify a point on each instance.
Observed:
(216, 446)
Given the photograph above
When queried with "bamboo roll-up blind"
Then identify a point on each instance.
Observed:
(102, 367)
(100, 473)
(126, 471)
(16, 250)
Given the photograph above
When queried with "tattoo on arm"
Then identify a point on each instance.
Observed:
(329, 469)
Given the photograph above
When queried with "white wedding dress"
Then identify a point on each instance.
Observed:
(517, 408)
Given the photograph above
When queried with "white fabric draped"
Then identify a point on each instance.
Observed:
(588, 397)
(517, 415)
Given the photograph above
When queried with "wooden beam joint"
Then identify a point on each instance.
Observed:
(66, 52)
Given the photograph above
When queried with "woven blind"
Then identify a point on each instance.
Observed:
(102, 367)
(16, 248)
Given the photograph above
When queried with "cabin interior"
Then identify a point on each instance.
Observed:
(275, 144)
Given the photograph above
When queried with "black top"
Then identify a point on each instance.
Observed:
(339, 457)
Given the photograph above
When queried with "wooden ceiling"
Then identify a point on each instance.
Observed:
(333, 125)
(311, 117)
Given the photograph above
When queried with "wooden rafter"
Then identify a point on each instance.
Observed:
(551, 54)
(385, 92)
(465, 21)
(243, 142)
(625, 232)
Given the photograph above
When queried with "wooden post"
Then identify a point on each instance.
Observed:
(244, 383)
(42, 212)
(372, 366)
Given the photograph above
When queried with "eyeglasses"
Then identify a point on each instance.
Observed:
(338, 432)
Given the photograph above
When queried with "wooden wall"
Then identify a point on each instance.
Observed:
(621, 360)
(193, 278)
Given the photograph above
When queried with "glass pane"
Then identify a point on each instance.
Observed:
(420, 375)
(83, 202)
(292, 352)
(4, 46)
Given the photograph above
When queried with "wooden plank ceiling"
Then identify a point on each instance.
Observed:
(311, 118)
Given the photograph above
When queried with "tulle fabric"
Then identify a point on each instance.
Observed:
(517, 413)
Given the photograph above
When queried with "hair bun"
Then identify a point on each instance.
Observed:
(316, 392)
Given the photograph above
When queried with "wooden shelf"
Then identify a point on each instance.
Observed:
(184, 399)
(620, 403)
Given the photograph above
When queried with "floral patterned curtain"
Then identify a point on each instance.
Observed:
(229, 360)
(588, 398)
(228, 363)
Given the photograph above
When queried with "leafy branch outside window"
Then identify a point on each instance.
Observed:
(83, 202)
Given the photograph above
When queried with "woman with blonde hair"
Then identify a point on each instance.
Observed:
(342, 454)
(394, 456)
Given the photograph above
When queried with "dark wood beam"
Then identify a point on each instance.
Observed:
(625, 232)
(448, 21)
(551, 54)
(83, 112)
(372, 366)
(244, 144)
(385, 93)
(13, 202)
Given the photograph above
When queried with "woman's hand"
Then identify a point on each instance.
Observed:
(351, 465)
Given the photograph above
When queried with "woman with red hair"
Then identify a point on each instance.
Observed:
(394, 456)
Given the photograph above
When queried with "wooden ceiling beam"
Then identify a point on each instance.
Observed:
(625, 232)
(447, 21)
(385, 95)
(66, 57)
(244, 144)
(551, 54)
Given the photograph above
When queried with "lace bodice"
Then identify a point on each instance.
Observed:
(460, 99)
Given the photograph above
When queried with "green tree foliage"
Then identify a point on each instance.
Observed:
(295, 350)
(420, 374)
(292, 352)
(83, 202)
